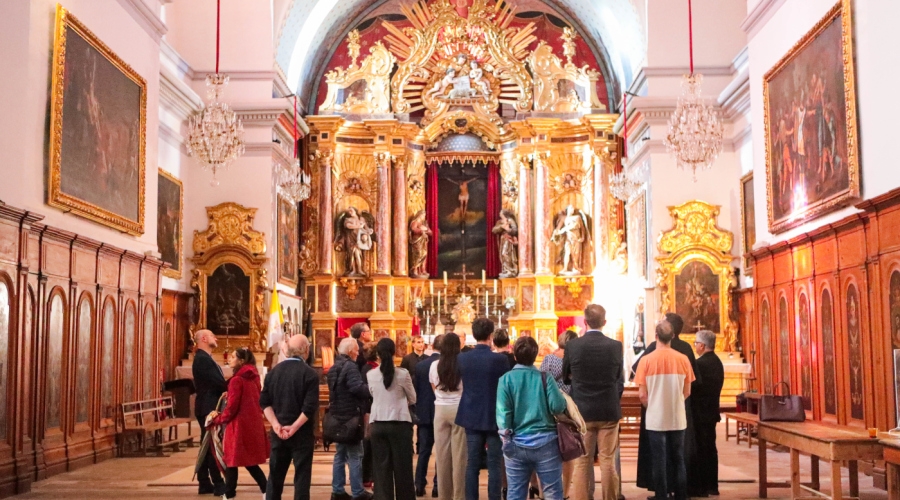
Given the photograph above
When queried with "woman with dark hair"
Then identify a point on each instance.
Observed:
(392, 429)
(527, 400)
(370, 362)
(451, 453)
(245, 444)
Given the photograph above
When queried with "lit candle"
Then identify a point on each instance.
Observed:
(495, 287)
(483, 276)
(485, 303)
(439, 301)
(445, 278)
(431, 287)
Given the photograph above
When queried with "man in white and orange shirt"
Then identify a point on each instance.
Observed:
(664, 378)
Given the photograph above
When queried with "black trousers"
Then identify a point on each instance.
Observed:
(297, 449)
(706, 466)
(424, 445)
(392, 450)
(209, 469)
(368, 475)
(231, 479)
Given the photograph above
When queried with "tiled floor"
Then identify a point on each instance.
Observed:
(154, 478)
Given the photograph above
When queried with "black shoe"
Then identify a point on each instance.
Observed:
(503, 493)
(533, 492)
(341, 496)
(434, 493)
(365, 496)
(205, 489)
(714, 493)
(420, 492)
(219, 490)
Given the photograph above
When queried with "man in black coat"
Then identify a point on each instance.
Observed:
(348, 395)
(425, 415)
(209, 382)
(645, 461)
(362, 333)
(410, 361)
(290, 402)
(593, 365)
(705, 399)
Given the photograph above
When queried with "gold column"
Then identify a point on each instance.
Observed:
(541, 215)
(323, 159)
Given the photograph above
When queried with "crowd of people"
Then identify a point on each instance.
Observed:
(477, 407)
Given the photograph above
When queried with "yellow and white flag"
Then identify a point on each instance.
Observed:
(275, 333)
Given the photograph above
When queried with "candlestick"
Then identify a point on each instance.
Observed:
(486, 303)
(431, 287)
(439, 302)
(483, 276)
(445, 278)
(495, 287)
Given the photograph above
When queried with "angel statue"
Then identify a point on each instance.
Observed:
(353, 234)
(419, 233)
(508, 230)
(571, 234)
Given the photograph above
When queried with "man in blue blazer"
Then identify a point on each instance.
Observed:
(425, 415)
(480, 370)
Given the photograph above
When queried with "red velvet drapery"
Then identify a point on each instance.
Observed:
(344, 324)
(431, 215)
(492, 264)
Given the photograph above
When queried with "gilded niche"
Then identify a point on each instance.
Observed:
(230, 224)
(360, 89)
(563, 88)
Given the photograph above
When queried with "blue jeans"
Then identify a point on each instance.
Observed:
(351, 455)
(477, 440)
(667, 448)
(543, 461)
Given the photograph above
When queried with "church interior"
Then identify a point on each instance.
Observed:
(265, 169)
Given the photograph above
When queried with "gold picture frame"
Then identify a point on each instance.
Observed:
(789, 155)
(176, 271)
(748, 221)
(111, 140)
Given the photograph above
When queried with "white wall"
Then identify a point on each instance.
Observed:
(876, 41)
(26, 52)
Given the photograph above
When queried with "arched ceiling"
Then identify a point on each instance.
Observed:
(311, 30)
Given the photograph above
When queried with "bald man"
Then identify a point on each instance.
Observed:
(209, 382)
(290, 401)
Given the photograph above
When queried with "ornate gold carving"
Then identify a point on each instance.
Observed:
(509, 173)
(694, 237)
(415, 183)
(55, 196)
(695, 225)
(575, 285)
(309, 246)
(352, 286)
(230, 224)
(371, 78)
(230, 239)
(549, 72)
(571, 181)
(355, 183)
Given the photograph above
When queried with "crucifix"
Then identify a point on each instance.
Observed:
(464, 275)
(699, 326)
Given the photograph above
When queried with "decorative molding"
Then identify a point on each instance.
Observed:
(146, 17)
(172, 137)
(239, 75)
(678, 71)
(735, 98)
(176, 96)
(168, 56)
(761, 13)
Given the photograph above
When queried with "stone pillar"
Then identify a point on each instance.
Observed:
(326, 217)
(401, 261)
(525, 223)
(541, 216)
(383, 214)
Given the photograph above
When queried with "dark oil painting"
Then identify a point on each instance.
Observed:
(828, 353)
(288, 247)
(854, 345)
(811, 167)
(168, 222)
(462, 209)
(697, 297)
(228, 301)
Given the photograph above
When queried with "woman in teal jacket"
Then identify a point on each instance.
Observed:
(527, 400)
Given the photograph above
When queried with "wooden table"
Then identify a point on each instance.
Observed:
(833, 443)
(745, 422)
(891, 444)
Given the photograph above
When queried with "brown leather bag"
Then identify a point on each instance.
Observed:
(785, 408)
(568, 435)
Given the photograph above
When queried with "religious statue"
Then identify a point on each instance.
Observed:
(571, 234)
(463, 314)
(508, 230)
(353, 234)
(463, 197)
(476, 74)
(440, 86)
(463, 79)
(419, 233)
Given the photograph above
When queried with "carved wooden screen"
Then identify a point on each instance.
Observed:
(828, 364)
(854, 351)
(55, 337)
(149, 361)
(784, 342)
(765, 334)
(83, 363)
(4, 353)
(128, 361)
(106, 373)
(806, 384)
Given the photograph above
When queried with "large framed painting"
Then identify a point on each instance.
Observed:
(97, 130)
(169, 222)
(288, 247)
(637, 236)
(812, 161)
(748, 220)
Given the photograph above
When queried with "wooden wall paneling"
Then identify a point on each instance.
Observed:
(826, 343)
(765, 357)
(889, 339)
(852, 308)
(806, 355)
(782, 336)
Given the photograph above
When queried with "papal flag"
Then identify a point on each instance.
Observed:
(276, 333)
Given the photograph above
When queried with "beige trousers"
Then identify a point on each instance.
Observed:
(450, 453)
(605, 435)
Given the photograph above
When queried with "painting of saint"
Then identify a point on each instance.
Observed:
(228, 301)
(765, 335)
(97, 129)
(784, 334)
(748, 216)
(828, 351)
(169, 217)
(637, 236)
(811, 135)
(697, 297)
(288, 247)
(805, 354)
(854, 344)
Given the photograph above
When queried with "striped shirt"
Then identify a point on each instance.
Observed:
(664, 373)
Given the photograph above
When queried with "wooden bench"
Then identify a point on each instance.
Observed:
(153, 424)
(630, 424)
(833, 443)
(745, 427)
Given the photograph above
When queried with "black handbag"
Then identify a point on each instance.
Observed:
(343, 430)
(785, 408)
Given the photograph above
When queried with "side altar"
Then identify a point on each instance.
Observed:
(460, 161)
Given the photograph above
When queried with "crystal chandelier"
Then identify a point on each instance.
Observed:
(695, 132)
(294, 182)
(627, 183)
(215, 135)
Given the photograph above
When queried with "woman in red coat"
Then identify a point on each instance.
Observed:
(245, 444)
